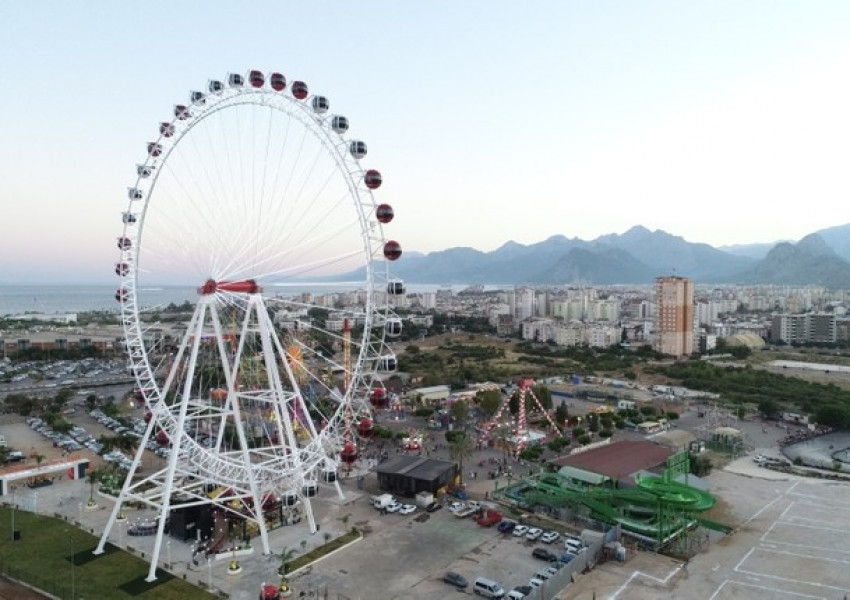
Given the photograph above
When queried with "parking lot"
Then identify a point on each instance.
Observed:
(409, 556)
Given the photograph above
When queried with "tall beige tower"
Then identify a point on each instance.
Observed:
(674, 320)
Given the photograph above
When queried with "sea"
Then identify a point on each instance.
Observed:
(71, 298)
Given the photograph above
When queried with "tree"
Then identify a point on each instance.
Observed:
(768, 407)
(561, 414)
(459, 412)
(544, 396)
(489, 402)
(462, 447)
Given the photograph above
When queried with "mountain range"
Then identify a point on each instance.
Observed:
(638, 256)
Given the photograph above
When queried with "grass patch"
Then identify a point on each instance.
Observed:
(324, 550)
(51, 552)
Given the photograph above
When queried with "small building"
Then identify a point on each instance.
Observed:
(617, 462)
(434, 393)
(406, 475)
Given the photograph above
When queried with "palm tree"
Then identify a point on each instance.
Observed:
(93, 477)
(462, 447)
(285, 556)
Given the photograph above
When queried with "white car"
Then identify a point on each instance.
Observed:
(406, 509)
(455, 506)
(393, 507)
(549, 537)
(534, 533)
(520, 530)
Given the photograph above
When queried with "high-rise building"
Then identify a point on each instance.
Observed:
(674, 317)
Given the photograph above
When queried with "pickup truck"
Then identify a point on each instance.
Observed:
(489, 517)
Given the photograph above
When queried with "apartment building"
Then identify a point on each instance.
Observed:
(674, 317)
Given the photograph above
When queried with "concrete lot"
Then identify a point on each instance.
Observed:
(791, 542)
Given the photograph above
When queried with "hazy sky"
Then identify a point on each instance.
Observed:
(721, 122)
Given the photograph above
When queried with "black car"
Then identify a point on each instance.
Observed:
(434, 506)
(525, 590)
(455, 579)
(544, 554)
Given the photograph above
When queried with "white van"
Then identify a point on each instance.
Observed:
(488, 588)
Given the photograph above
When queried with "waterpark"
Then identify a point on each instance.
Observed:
(658, 510)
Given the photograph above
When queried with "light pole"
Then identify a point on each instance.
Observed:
(73, 565)
(168, 550)
(209, 574)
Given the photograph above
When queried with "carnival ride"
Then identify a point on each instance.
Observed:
(504, 426)
(656, 511)
(252, 193)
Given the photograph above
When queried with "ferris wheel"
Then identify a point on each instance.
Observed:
(253, 194)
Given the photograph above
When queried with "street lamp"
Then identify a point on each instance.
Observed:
(73, 564)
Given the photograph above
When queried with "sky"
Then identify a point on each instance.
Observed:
(723, 122)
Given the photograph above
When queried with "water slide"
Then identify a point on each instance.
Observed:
(677, 494)
(655, 508)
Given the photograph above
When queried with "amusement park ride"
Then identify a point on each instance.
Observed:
(251, 189)
(519, 427)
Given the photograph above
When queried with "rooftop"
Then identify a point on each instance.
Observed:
(618, 460)
(417, 467)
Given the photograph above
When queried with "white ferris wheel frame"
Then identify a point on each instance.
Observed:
(188, 456)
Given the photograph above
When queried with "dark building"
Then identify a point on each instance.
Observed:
(406, 475)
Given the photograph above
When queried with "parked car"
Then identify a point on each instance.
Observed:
(455, 579)
(433, 507)
(506, 526)
(520, 530)
(407, 509)
(544, 554)
(534, 533)
(549, 537)
(520, 591)
(393, 507)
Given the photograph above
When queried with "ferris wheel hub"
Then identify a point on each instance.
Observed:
(248, 286)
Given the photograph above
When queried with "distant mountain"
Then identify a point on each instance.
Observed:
(754, 251)
(837, 238)
(809, 262)
(665, 254)
(637, 257)
(603, 266)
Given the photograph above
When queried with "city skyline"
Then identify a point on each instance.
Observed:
(715, 122)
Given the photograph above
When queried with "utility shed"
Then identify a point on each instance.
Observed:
(406, 475)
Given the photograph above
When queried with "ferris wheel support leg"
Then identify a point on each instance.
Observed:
(311, 519)
(165, 506)
(230, 377)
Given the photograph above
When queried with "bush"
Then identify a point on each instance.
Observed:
(585, 440)
(453, 436)
(423, 412)
(606, 433)
(672, 416)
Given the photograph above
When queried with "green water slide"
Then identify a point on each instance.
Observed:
(656, 508)
(677, 494)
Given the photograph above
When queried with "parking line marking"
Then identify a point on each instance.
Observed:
(762, 587)
(636, 574)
